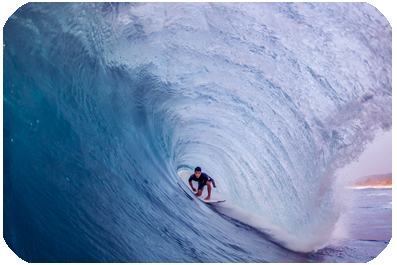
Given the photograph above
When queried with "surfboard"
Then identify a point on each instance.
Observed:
(212, 201)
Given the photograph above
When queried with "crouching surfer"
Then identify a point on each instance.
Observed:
(203, 180)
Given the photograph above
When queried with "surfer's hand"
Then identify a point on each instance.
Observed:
(194, 189)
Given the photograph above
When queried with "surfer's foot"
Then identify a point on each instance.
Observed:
(208, 198)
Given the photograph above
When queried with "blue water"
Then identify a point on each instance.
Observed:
(104, 104)
(364, 229)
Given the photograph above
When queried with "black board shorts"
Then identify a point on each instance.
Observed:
(202, 184)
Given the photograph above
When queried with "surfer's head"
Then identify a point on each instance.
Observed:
(197, 172)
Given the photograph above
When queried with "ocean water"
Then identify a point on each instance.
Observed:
(107, 104)
(365, 229)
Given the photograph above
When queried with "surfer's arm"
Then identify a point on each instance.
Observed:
(191, 185)
(213, 183)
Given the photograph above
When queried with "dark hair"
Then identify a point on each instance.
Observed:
(197, 169)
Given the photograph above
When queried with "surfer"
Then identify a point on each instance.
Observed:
(202, 179)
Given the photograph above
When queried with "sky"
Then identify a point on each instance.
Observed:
(376, 159)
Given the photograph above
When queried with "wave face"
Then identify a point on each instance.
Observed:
(104, 103)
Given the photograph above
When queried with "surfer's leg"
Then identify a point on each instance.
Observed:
(209, 190)
(200, 188)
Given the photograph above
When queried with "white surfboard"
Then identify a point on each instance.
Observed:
(212, 201)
